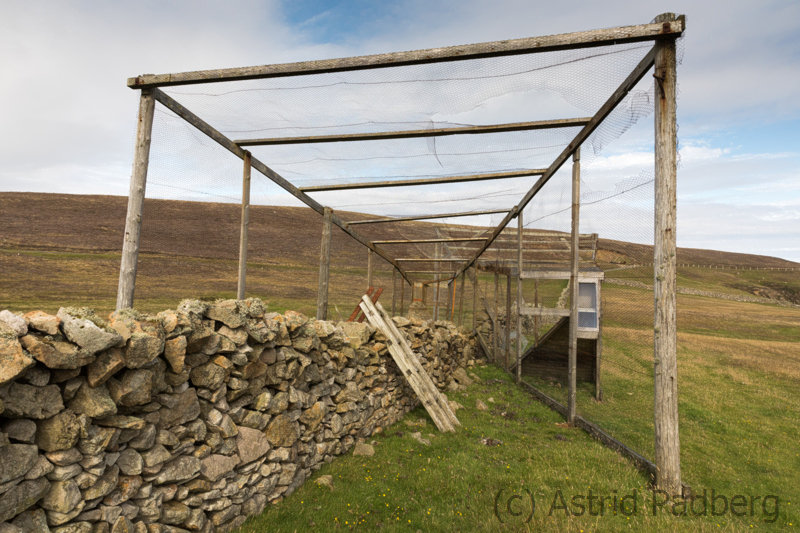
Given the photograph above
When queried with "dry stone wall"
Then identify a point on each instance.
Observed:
(194, 419)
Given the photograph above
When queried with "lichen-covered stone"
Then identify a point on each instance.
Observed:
(21, 497)
(106, 365)
(15, 322)
(16, 460)
(13, 360)
(94, 402)
(85, 329)
(63, 497)
(41, 321)
(59, 432)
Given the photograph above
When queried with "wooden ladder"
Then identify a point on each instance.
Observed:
(410, 366)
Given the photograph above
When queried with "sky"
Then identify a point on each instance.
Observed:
(67, 118)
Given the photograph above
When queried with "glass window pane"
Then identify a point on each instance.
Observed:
(587, 319)
(587, 295)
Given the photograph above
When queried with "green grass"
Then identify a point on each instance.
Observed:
(452, 485)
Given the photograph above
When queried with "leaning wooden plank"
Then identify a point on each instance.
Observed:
(374, 299)
(229, 145)
(415, 379)
(411, 134)
(564, 41)
(426, 181)
(357, 310)
(435, 391)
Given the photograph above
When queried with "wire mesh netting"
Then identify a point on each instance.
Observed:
(190, 232)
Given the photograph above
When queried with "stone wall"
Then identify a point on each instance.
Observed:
(190, 420)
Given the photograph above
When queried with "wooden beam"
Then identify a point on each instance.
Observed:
(508, 320)
(411, 134)
(428, 217)
(133, 219)
(242, 283)
(572, 357)
(564, 41)
(425, 181)
(422, 241)
(495, 318)
(667, 441)
(324, 265)
(229, 145)
(369, 268)
(428, 260)
(613, 101)
(519, 299)
(394, 291)
(544, 311)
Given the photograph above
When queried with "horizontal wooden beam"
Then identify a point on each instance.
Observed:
(543, 311)
(421, 241)
(561, 274)
(564, 41)
(429, 217)
(411, 134)
(613, 101)
(228, 144)
(427, 260)
(426, 181)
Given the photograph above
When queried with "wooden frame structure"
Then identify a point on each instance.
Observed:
(662, 32)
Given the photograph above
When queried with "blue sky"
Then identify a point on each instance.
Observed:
(67, 121)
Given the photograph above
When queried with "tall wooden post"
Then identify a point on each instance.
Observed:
(394, 291)
(519, 297)
(436, 303)
(536, 317)
(508, 319)
(475, 301)
(240, 288)
(573, 288)
(369, 268)
(133, 221)
(667, 442)
(461, 299)
(496, 324)
(324, 264)
(402, 295)
(451, 299)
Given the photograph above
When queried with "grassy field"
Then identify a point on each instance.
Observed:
(739, 377)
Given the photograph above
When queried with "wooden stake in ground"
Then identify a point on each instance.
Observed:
(495, 321)
(133, 221)
(324, 264)
(508, 320)
(369, 268)
(394, 290)
(573, 289)
(667, 442)
(519, 297)
(240, 287)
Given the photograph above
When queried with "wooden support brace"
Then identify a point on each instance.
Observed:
(241, 285)
(324, 265)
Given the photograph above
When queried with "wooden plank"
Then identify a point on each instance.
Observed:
(495, 318)
(402, 294)
(411, 134)
(425, 181)
(614, 100)
(544, 311)
(428, 217)
(133, 220)
(394, 291)
(242, 283)
(324, 265)
(422, 241)
(474, 299)
(484, 346)
(561, 274)
(508, 321)
(375, 296)
(229, 145)
(461, 300)
(409, 365)
(667, 440)
(357, 310)
(428, 260)
(573, 296)
(369, 268)
(549, 43)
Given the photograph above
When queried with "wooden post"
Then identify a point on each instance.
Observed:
(475, 301)
(394, 290)
(402, 294)
(496, 323)
(133, 221)
(324, 264)
(461, 299)
(508, 320)
(573, 289)
(667, 442)
(519, 297)
(369, 268)
(436, 303)
(240, 288)
(536, 317)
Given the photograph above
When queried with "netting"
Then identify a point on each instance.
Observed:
(190, 232)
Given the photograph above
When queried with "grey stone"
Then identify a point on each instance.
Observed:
(121, 422)
(221, 423)
(281, 431)
(59, 432)
(34, 521)
(21, 497)
(156, 455)
(358, 333)
(325, 481)
(145, 439)
(86, 333)
(15, 322)
(123, 525)
(16, 460)
(106, 365)
(174, 513)
(251, 444)
(93, 402)
(214, 467)
(364, 449)
(135, 387)
(175, 353)
(187, 408)
(65, 457)
(62, 497)
(228, 313)
(20, 430)
(56, 355)
(13, 360)
(180, 469)
(104, 485)
(75, 527)
(5, 527)
(55, 518)
(38, 376)
(42, 468)
(210, 376)
(63, 473)
(130, 462)
(97, 439)
(26, 401)
(41, 321)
